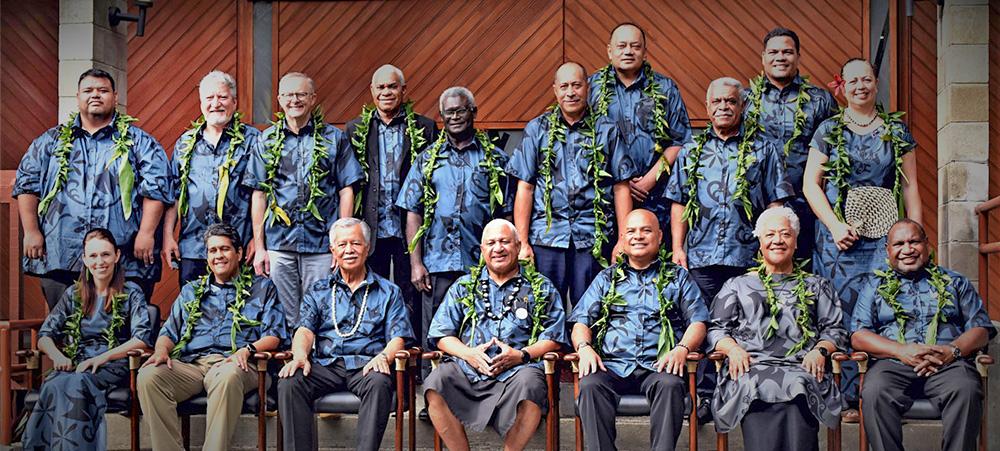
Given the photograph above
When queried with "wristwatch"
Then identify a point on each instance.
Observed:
(956, 352)
(250, 347)
(823, 351)
(525, 356)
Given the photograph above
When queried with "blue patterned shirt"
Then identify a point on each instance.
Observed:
(633, 113)
(513, 331)
(778, 108)
(390, 159)
(632, 339)
(919, 299)
(384, 318)
(90, 197)
(722, 234)
(212, 332)
(573, 190)
(463, 207)
(203, 187)
(291, 185)
(92, 342)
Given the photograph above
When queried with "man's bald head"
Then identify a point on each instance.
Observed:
(570, 70)
(626, 30)
(641, 216)
(642, 237)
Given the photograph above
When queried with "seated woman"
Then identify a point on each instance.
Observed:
(777, 325)
(97, 321)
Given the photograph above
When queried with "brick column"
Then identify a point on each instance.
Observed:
(963, 130)
(86, 40)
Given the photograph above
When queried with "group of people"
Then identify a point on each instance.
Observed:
(348, 246)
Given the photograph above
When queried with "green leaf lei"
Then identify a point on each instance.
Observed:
(416, 135)
(804, 298)
(838, 168)
(693, 170)
(889, 290)
(119, 150)
(745, 155)
(801, 100)
(557, 132)
(595, 168)
(272, 160)
(61, 153)
(430, 197)
(74, 321)
(359, 140)
(242, 284)
(539, 306)
(661, 129)
(744, 159)
(236, 138)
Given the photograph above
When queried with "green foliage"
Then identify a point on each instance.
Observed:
(804, 299)
(665, 276)
(745, 150)
(493, 169)
(596, 169)
(359, 141)
(661, 128)
(430, 197)
(468, 302)
(316, 174)
(693, 170)
(540, 305)
(557, 132)
(117, 320)
(71, 330)
(61, 154)
(416, 135)
(272, 161)
(889, 291)
(120, 150)
(236, 139)
(894, 135)
(184, 153)
(192, 309)
(243, 283)
(610, 299)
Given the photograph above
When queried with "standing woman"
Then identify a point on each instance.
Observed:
(96, 321)
(860, 147)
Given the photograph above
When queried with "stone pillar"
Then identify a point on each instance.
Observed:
(963, 130)
(86, 40)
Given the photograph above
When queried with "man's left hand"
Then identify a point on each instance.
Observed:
(379, 363)
(508, 358)
(241, 356)
(673, 362)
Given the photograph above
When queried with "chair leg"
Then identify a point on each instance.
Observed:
(437, 441)
(578, 425)
(862, 436)
(133, 415)
(552, 419)
(401, 392)
(692, 367)
(833, 436)
(412, 369)
(262, 409)
(722, 441)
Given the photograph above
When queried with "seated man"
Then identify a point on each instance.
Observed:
(626, 333)
(494, 323)
(357, 321)
(901, 316)
(777, 324)
(216, 324)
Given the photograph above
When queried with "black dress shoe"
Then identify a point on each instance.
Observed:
(704, 410)
(423, 415)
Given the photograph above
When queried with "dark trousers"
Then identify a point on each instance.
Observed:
(440, 283)
(569, 269)
(599, 396)
(191, 269)
(393, 250)
(807, 229)
(780, 426)
(54, 283)
(710, 279)
(297, 394)
(955, 389)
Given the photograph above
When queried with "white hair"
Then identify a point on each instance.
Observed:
(457, 91)
(312, 84)
(218, 76)
(775, 213)
(503, 222)
(723, 82)
(347, 223)
(393, 70)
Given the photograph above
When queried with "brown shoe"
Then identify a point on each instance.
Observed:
(850, 416)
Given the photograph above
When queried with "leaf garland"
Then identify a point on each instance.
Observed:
(889, 291)
(804, 298)
(359, 141)
(493, 170)
(611, 298)
(661, 128)
(595, 168)
(186, 152)
(801, 100)
(272, 159)
(540, 301)
(61, 154)
(745, 152)
(557, 132)
(429, 197)
(540, 306)
(838, 169)
(665, 275)
(316, 174)
(72, 329)
(243, 283)
(416, 135)
(692, 208)
(120, 150)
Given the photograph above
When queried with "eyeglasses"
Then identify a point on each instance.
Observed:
(456, 112)
(296, 95)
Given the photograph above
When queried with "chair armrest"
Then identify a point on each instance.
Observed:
(692, 361)
(983, 362)
(551, 361)
(718, 358)
(137, 356)
(862, 359)
(837, 359)
(432, 355)
(282, 356)
(32, 358)
(574, 362)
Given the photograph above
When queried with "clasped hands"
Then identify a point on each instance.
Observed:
(924, 358)
(477, 358)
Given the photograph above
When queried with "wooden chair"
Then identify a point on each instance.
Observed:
(833, 435)
(923, 409)
(550, 360)
(347, 402)
(20, 368)
(636, 405)
(197, 404)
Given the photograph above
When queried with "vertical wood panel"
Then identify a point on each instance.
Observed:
(993, 283)
(918, 86)
(185, 39)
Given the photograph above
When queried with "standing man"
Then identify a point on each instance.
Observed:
(640, 344)
(96, 170)
(218, 322)
(452, 190)
(494, 324)
(386, 139)
(720, 183)
(569, 167)
(648, 108)
(923, 334)
(207, 168)
(302, 173)
(352, 325)
(787, 110)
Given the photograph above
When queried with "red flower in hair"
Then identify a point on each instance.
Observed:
(837, 85)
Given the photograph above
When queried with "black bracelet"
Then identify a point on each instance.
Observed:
(525, 356)
(682, 345)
